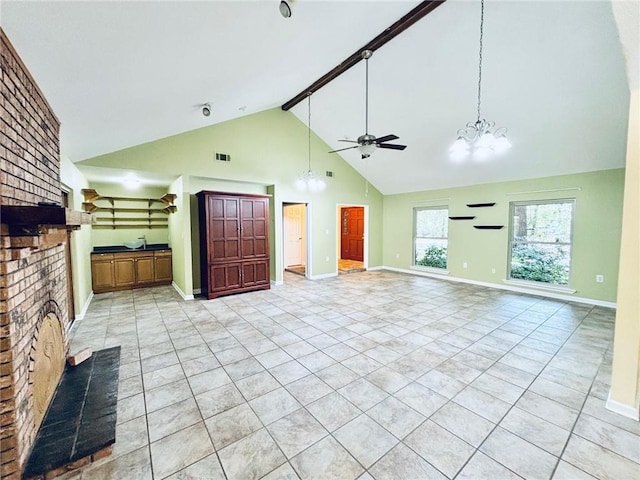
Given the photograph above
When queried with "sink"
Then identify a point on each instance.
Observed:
(133, 245)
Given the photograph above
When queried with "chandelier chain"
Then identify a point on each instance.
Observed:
(309, 128)
(480, 56)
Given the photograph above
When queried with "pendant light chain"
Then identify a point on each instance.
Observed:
(309, 127)
(481, 138)
(480, 56)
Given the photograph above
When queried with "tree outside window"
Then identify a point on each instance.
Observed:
(541, 241)
(430, 237)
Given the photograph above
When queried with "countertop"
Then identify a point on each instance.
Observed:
(121, 248)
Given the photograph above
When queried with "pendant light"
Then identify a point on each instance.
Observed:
(480, 138)
(307, 180)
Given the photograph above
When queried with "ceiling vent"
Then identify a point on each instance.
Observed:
(223, 157)
(329, 173)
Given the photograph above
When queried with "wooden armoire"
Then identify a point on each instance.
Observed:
(234, 242)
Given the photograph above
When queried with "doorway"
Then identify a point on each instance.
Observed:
(352, 239)
(294, 220)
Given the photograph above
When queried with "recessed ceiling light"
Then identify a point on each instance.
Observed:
(285, 9)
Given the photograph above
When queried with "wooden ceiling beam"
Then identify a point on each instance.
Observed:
(417, 13)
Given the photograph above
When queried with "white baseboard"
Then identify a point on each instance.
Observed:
(323, 275)
(622, 408)
(373, 269)
(85, 307)
(197, 291)
(511, 288)
(277, 282)
(180, 292)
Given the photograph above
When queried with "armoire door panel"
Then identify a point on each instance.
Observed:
(225, 277)
(255, 273)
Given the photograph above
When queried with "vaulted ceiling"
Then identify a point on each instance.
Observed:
(123, 73)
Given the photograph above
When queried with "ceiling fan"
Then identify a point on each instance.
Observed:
(368, 143)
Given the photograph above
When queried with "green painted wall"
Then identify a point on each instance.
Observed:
(596, 234)
(81, 240)
(107, 236)
(268, 151)
(179, 237)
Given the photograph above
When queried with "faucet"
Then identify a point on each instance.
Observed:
(144, 241)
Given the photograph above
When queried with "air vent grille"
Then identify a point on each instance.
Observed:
(223, 157)
(329, 173)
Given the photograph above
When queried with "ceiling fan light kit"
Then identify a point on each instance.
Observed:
(367, 143)
(480, 138)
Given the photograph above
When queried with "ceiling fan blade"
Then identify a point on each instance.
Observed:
(392, 146)
(386, 138)
(341, 149)
(350, 141)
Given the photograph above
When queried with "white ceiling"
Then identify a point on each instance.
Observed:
(119, 74)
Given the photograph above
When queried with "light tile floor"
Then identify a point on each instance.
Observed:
(371, 375)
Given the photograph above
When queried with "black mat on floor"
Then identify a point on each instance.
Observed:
(81, 419)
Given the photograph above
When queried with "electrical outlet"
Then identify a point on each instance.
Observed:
(464, 265)
(397, 255)
(600, 278)
(326, 259)
(493, 270)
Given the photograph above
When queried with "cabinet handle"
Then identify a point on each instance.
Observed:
(111, 261)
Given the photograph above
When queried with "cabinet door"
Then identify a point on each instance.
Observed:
(125, 272)
(102, 275)
(225, 277)
(255, 227)
(144, 270)
(163, 271)
(255, 273)
(223, 229)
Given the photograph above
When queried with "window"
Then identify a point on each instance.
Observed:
(430, 238)
(540, 241)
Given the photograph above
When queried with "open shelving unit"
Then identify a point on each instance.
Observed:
(128, 212)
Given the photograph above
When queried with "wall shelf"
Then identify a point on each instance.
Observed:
(488, 227)
(480, 205)
(464, 217)
(117, 215)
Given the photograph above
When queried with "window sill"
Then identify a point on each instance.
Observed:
(541, 286)
(441, 271)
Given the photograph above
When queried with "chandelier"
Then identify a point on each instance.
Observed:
(307, 181)
(480, 138)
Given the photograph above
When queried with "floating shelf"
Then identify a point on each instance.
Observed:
(462, 218)
(132, 225)
(479, 205)
(90, 207)
(90, 195)
(119, 216)
(488, 227)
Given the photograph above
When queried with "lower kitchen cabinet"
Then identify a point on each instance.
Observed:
(127, 270)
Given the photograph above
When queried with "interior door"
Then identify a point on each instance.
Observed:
(294, 235)
(352, 233)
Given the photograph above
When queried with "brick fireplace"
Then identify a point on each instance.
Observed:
(33, 283)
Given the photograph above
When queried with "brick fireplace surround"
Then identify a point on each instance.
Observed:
(32, 268)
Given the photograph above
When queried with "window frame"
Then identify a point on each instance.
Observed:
(512, 206)
(415, 228)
